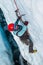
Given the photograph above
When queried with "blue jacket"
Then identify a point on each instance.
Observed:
(21, 28)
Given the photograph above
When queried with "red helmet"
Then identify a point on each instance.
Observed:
(11, 27)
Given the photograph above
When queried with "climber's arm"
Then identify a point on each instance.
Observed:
(17, 21)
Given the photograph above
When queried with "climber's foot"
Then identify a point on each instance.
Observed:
(33, 51)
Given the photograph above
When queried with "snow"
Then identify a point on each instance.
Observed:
(34, 14)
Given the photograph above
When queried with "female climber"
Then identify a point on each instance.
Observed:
(22, 32)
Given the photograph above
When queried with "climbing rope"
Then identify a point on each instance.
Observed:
(16, 6)
(19, 11)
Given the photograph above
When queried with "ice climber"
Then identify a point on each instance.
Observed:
(20, 29)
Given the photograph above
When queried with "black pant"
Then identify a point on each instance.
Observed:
(26, 38)
(31, 44)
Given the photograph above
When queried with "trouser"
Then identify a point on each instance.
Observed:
(26, 38)
(30, 45)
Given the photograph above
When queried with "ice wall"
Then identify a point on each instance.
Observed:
(34, 14)
(6, 57)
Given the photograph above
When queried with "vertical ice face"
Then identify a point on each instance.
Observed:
(5, 50)
(34, 14)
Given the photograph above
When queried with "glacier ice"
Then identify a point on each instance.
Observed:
(34, 14)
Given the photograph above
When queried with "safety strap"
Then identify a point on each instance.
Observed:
(19, 11)
(16, 5)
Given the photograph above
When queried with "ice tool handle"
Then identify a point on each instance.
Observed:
(18, 13)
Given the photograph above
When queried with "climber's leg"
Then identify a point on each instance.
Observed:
(31, 50)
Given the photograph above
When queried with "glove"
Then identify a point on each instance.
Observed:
(26, 23)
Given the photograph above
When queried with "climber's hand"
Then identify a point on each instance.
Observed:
(26, 23)
(19, 17)
(17, 10)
